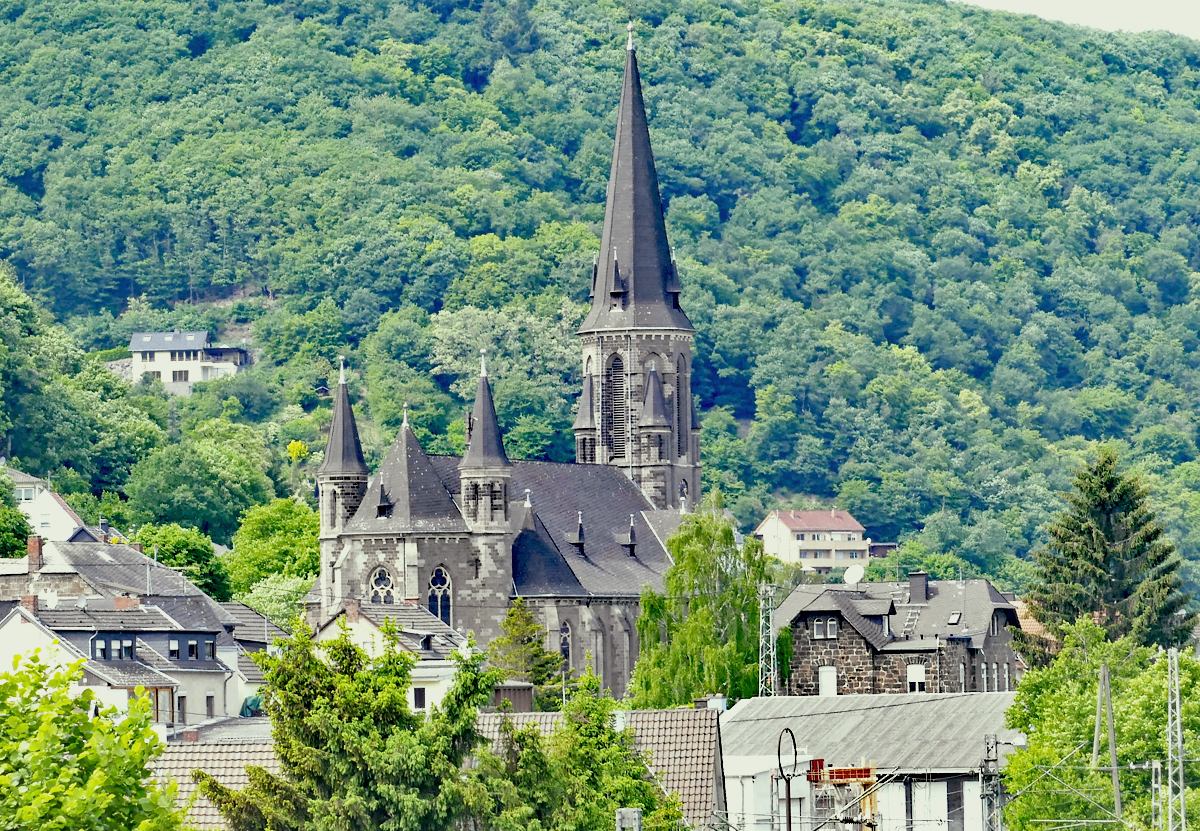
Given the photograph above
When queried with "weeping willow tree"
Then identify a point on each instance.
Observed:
(700, 634)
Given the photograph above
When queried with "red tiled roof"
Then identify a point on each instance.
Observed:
(832, 520)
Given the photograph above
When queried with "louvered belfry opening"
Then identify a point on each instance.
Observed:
(680, 430)
(614, 408)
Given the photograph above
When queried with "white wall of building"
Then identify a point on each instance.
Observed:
(48, 519)
(21, 636)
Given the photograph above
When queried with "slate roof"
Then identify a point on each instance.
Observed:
(129, 674)
(343, 451)
(916, 733)
(976, 600)
(160, 341)
(407, 485)
(816, 521)
(635, 283)
(252, 627)
(251, 671)
(486, 447)
(683, 749)
(67, 618)
(416, 623)
(227, 762)
(558, 492)
(113, 569)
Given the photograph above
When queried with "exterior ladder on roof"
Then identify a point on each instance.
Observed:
(910, 622)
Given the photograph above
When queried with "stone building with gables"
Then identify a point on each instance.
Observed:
(464, 537)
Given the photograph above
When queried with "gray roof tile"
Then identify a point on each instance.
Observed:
(227, 762)
(167, 341)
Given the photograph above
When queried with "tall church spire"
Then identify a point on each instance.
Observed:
(634, 284)
(343, 453)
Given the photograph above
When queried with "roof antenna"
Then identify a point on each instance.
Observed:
(629, 45)
(342, 370)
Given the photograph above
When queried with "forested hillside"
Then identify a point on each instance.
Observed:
(932, 252)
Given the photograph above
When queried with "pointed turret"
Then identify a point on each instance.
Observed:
(342, 476)
(654, 405)
(634, 284)
(485, 446)
(485, 471)
(343, 453)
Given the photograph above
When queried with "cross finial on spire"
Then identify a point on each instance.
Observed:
(482, 363)
(405, 422)
(629, 45)
(342, 369)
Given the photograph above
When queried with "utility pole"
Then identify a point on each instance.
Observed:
(1104, 718)
(989, 785)
(768, 663)
(1176, 808)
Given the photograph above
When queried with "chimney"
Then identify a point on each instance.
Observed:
(33, 547)
(127, 604)
(352, 611)
(191, 735)
(104, 529)
(29, 602)
(918, 587)
(136, 546)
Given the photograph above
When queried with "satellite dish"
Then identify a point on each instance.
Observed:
(854, 574)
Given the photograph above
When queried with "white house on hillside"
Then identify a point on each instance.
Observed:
(180, 359)
(818, 540)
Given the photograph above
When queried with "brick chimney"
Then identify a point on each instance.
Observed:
(191, 735)
(918, 587)
(29, 602)
(33, 547)
(136, 546)
(127, 604)
(352, 611)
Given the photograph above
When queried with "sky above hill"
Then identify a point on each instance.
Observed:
(1179, 16)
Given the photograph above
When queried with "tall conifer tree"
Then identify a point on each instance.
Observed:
(1109, 558)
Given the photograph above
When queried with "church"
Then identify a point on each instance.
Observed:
(464, 537)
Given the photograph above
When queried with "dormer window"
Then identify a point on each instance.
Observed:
(824, 628)
(955, 618)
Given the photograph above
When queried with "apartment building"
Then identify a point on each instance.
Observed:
(180, 359)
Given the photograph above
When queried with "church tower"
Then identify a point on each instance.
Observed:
(485, 471)
(342, 477)
(635, 410)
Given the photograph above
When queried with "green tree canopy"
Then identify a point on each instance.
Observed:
(279, 537)
(1108, 556)
(700, 635)
(1055, 707)
(64, 765)
(190, 551)
(354, 755)
(520, 654)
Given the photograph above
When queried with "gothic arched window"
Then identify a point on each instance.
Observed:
(382, 588)
(439, 594)
(564, 644)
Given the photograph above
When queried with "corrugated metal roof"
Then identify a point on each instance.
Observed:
(913, 732)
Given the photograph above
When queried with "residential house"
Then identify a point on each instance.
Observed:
(25, 487)
(86, 579)
(819, 541)
(180, 359)
(226, 758)
(919, 636)
(52, 518)
(420, 632)
(923, 755)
